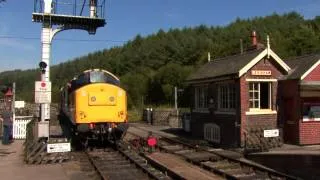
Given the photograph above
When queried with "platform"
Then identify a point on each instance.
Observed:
(12, 166)
(287, 149)
(301, 161)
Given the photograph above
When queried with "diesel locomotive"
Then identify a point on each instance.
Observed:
(93, 108)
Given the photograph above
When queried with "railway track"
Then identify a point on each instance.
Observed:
(119, 163)
(227, 167)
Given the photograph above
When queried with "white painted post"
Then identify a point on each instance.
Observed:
(93, 8)
(43, 128)
(175, 97)
(47, 6)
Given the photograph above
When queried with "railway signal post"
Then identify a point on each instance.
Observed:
(89, 17)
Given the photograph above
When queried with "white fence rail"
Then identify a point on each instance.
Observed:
(20, 126)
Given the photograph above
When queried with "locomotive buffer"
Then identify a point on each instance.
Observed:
(89, 18)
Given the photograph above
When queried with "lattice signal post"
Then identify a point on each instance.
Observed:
(57, 16)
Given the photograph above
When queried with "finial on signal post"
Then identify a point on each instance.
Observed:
(268, 46)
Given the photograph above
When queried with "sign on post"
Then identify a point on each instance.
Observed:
(271, 133)
(58, 147)
(42, 93)
(19, 104)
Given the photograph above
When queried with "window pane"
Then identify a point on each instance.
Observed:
(251, 104)
(256, 104)
(264, 95)
(226, 96)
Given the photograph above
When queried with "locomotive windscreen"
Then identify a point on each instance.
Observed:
(93, 77)
(101, 77)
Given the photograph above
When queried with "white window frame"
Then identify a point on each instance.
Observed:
(254, 90)
(306, 118)
(258, 110)
(225, 102)
(201, 90)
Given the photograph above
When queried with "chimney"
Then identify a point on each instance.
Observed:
(254, 38)
(209, 57)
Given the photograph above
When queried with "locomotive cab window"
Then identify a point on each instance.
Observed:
(101, 77)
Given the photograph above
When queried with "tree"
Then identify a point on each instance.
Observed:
(149, 67)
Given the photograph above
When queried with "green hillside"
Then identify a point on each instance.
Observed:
(149, 67)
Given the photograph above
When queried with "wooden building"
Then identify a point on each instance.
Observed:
(235, 94)
(300, 101)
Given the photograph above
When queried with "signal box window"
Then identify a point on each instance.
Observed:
(227, 97)
(201, 97)
(260, 95)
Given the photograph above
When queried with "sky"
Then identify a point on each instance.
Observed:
(20, 42)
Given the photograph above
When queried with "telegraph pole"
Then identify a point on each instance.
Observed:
(13, 99)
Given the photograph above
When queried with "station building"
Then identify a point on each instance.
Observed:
(256, 91)
(300, 101)
(236, 93)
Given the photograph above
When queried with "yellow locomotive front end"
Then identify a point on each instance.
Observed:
(94, 107)
(100, 103)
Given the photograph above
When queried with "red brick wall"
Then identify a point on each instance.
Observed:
(309, 133)
(314, 75)
(259, 120)
(266, 64)
(244, 96)
(262, 120)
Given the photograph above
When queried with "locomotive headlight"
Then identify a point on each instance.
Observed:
(93, 99)
(82, 115)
